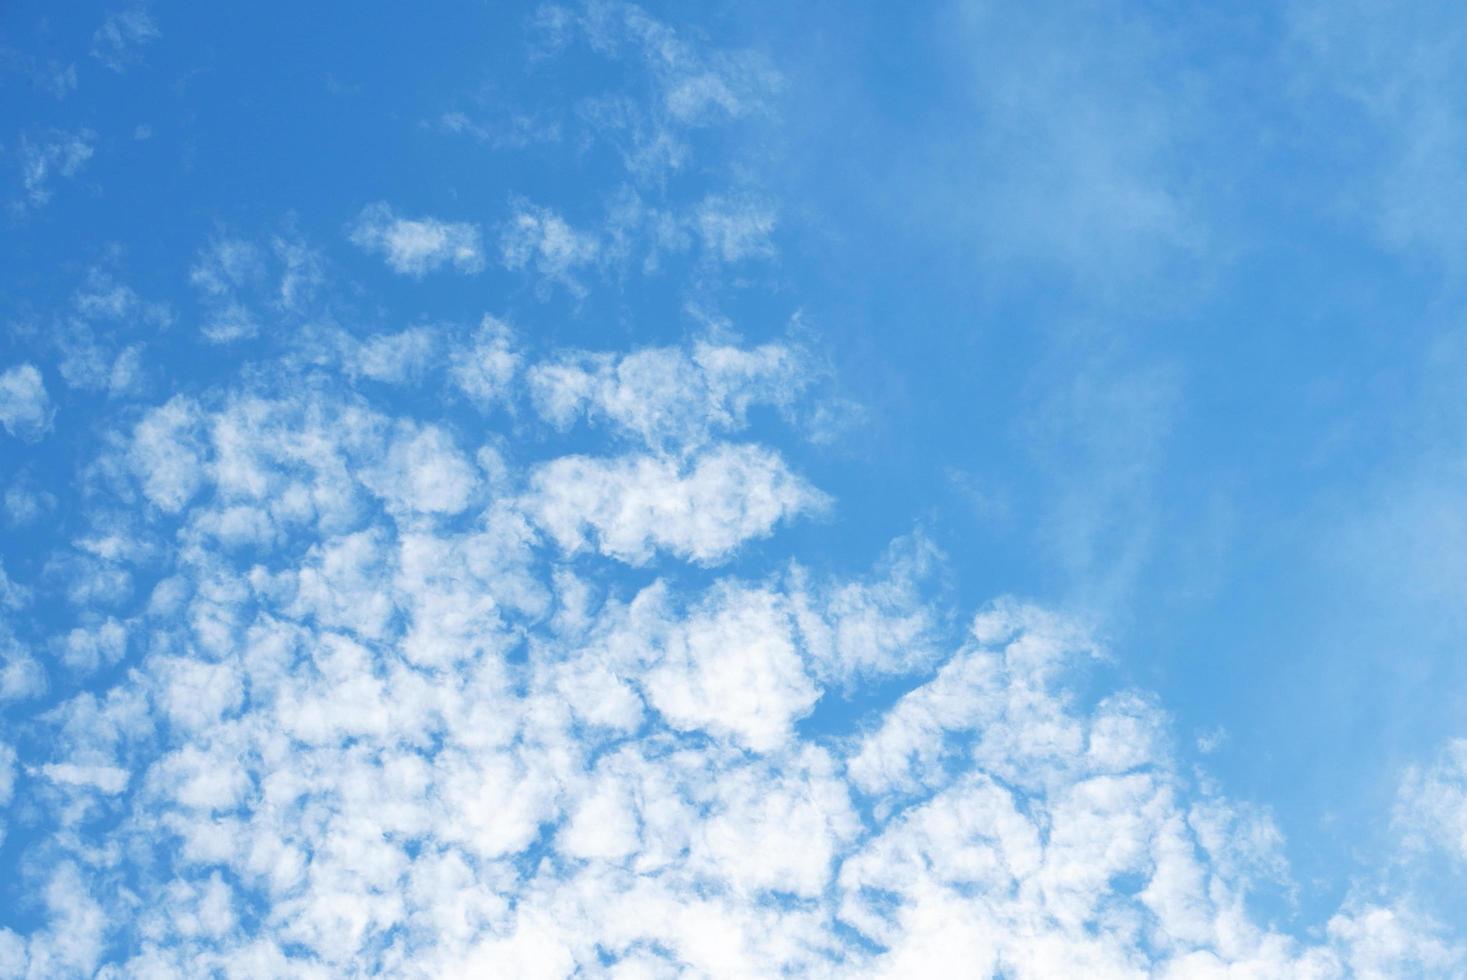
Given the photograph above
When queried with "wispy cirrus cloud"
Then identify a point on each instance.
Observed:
(25, 407)
(118, 42)
(46, 156)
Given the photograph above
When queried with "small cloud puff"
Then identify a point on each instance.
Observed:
(417, 246)
(631, 507)
(25, 408)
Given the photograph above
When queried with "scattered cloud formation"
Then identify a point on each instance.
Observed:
(588, 636)
(241, 283)
(417, 246)
(681, 86)
(398, 693)
(51, 75)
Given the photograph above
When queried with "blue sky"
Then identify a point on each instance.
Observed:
(732, 488)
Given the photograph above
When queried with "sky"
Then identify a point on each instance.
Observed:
(969, 489)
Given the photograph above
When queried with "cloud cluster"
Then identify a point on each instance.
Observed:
(397, 704)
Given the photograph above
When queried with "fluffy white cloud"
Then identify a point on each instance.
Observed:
(20, 673)
(166, 453)
(106, 779)
(667, 396)
(484, 368)
(417, 246)
(631, 507)
(733, 668)
(423, 471)
(85, 649)
(226, 265)
(25, 408)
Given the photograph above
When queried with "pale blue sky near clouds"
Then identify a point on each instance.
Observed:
(472, 480)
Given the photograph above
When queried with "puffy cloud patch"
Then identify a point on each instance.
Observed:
(167, 453)
(669, 397)
(416, 246)
(631, 507)
(25, 408)
(541, 241)
(484, 368)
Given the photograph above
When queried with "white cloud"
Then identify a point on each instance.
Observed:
(225, 266)
(13, 595)
(116, 42)
(484, 368)
(167, 453)
(93, 341)
(417, 246)
(58, 152)
(630, 507)
(236, 279)
(423, 471)
(230, 323)
(684, 85)
(25, 503)
(25, 408)
(733, 668)
(733, 230)
(538, 239)
(1431, 805)
(393, 358)
(105, 779)
(86, 649)
(21, 675)
(669, 397)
